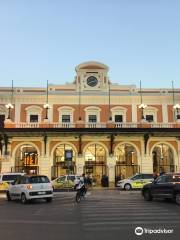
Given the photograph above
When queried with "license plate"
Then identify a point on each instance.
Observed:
(41, 193)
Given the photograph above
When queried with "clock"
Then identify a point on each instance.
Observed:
(92, 81)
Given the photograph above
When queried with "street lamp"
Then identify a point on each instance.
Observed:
(9, 106)
(176, 108)
(46, 106)
(79, 107)
(109, 91)
(142, 106)
(132, 157)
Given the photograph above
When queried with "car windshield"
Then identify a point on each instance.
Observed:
(12, 177)
(136, 177)
(39, 179)
(61, 179)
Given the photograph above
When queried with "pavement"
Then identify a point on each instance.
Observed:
(101, 215)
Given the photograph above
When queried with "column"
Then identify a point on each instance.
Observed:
(44, 166)
(146, 164)
(111, 163)
(44, 160)
(6, 160)
(79, 165)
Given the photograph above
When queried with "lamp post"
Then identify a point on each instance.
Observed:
(176, 108)
(79, 106)
(46, 106)
(142, 106)
(9, 106)
(110, 117)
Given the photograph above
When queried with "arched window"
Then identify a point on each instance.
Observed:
(95, 153)
(61, 164)
(126, 161)
(163, 159)
(26, 159)
(95, 162)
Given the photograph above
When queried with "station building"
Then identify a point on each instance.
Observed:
(91, 125)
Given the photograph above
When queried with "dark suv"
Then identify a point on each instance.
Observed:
(166, 186)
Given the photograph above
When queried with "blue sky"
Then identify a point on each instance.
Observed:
(46, 39)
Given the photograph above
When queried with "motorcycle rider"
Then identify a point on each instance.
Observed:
(80, 184)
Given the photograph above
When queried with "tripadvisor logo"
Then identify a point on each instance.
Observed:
(139, 231)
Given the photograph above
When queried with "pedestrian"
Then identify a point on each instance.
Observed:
(88, 180)
(155, 175)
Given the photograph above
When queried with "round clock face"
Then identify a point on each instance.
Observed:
(92, 81)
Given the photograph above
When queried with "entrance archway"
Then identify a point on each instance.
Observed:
(95, 162)
(163, 158)
(126, 161)
(61, 164)
(26, 159)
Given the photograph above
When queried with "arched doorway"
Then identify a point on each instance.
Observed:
(64, 158)
(26, 159)
(95, 162)
(163, 158)
(126, 161)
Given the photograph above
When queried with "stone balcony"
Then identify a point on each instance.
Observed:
(81, 124)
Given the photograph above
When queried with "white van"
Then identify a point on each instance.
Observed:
(7, 178)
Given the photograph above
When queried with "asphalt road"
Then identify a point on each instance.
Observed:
(104, 214)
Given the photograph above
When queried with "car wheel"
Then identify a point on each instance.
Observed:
(147, 196)
(23, 198)
(8, 196)
(127, 187)
(49, 199)
(177, 198)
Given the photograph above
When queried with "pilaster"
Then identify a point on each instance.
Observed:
(146, 164)
(5, 164)
(79, 165)
(45, 166)
(111, 163)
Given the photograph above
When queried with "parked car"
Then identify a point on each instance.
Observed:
(166, 186)
(65, 181)
(26, 188)
(8, 178)
(136, 181)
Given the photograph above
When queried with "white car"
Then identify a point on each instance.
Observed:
(136, 181)
(26, 188)
(8, 178)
